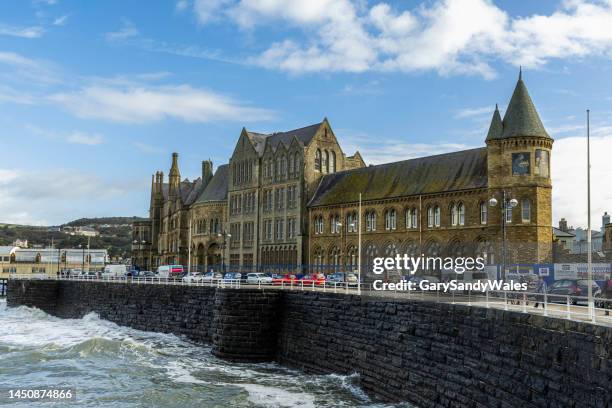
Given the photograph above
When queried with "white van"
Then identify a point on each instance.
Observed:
(114, 271)
(168, 271)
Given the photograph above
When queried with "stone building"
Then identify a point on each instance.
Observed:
(289, 200)
(442, 205)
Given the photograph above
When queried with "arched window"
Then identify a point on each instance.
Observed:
(430, 217)
(335, 224)
(461, 213)
(277, 175)
(437, 216)
(296, 163)
(291, 165)
(318, 160)
(454, 215)
(325, 163)
(526, 210)
(352, 222)
(414, 214)
(284, 167)
(390, 219)
(332, 162)
(484, 213)
(371, 221)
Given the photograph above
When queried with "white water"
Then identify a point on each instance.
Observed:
(113, 366)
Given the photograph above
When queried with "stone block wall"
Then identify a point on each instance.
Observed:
(429, 354)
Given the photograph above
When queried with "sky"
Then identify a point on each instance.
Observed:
(95, 96)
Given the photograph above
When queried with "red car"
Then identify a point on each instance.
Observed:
(317, 278)
(286, 280)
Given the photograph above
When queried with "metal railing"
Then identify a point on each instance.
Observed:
(569, 307)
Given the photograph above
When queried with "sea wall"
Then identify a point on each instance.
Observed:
(430, 354)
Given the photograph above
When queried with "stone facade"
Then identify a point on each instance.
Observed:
(291, 202)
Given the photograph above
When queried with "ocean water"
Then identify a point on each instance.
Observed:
(113, 366)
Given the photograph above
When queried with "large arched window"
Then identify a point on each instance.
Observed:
(430, 217)
(325, 163)
(454, 215)
(370, 221)
(283, 168)
(335, 224)
(318, 160)
(352, 222)
(332, 162)
(484, 213)
(437, 216)
(461, 213)
(390, 219)
(296, 164)
(291, 165)
(526, 210)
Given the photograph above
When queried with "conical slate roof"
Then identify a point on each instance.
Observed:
(521, 118)
(497, 127)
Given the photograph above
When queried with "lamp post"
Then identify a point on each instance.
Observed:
(506, 204)
(225, 237)
(589, 242)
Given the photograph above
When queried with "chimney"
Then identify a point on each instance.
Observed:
(604, 221)
(207, 172)
(563, 224)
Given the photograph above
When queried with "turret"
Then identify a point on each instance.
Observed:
(207, 172)
(175, 177)
(518, 163)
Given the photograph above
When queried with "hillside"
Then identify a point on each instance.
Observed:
(115, 234)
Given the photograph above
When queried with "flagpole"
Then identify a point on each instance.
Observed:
(359, 250)
(189, 249)
(589, 243)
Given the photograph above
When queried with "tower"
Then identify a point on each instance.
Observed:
(518, 161)
(174, 177)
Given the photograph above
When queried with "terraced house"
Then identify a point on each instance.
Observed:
(289, 200)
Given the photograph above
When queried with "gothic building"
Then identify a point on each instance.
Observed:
(290, 199)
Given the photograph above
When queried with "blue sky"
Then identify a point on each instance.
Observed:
(95, 97)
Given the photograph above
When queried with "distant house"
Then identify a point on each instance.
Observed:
(21, 243)
(85, 232)
(565, 238)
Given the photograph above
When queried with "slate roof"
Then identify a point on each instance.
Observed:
(190, 190)
(521, 117)
(497, 127)
(7, 250)
(562, 234)
(461, 170)
(303, 135)
(216, 190)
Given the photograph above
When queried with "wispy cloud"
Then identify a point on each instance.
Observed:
(140, 103)
(474, 112)
(128, 30)
(23, 32)
(60, 21)
(147, 148)
(85, 139)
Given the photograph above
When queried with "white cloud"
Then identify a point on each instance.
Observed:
(140, 103)
(475, 112)
(181, 5)
(28, 70)
(23, 32)
(569, 177)
(446, 36)
(45, 197)
(128, 30)
(60, 21)
(85, 139)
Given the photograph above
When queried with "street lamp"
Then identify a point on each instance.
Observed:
(225, 237)
(506, 204)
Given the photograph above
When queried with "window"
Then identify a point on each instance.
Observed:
(461, 213)
(436, 216)
(268, 230)
(454, 215)
(352, 222)
(319, 224)
(526, 210)
(291, 165)
(318, 160)
(280, 226)
(296, 163)
(325, 163)
(335, 224)
(291, 228)
(483, 213)
(371, 221)
(411, 218)
(283, 168)
(508, 214)
(332, 162)
(414, 214)
(390, 219)
(430, 217)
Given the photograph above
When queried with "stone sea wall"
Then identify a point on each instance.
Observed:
(430, 354)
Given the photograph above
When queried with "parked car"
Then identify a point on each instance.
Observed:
(192, 277)
(258, 277)
(316, 279)
(212, 277)
(147, 274)
(286, 280)
(335, 277)
(571, 287)
(232, 276)
(351, 279)
(605, 300)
